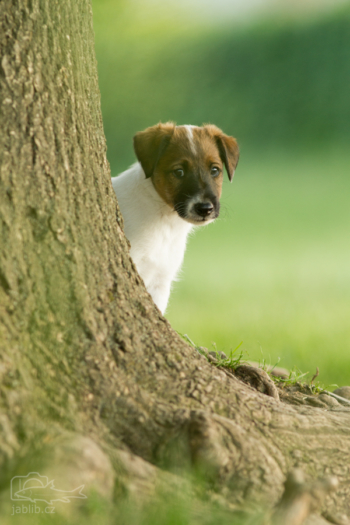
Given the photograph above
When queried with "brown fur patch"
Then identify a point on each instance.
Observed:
(228, 148)
(148, 145)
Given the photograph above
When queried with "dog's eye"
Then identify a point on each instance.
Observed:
(179, 173)
(215, 171)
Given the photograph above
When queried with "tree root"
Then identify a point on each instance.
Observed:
(258, 379)
(300, 499)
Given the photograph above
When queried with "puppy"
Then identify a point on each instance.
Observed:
(175, 186)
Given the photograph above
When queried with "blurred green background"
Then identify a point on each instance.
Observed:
(273, 271)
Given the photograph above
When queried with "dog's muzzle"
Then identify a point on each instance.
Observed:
(198, 212)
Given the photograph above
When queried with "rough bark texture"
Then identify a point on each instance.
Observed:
(88, 365)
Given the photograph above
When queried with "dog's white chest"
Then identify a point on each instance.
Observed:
(156, 233)
(158, 257)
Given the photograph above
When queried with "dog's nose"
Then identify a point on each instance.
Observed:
(204, 208)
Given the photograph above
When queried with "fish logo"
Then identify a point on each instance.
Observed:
(39, 488)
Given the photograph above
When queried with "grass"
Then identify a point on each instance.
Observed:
(236, 359)
(182, 500)
(274, 270)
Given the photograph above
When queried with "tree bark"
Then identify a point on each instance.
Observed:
(96, 387)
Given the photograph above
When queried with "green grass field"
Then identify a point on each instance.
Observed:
(274, 271)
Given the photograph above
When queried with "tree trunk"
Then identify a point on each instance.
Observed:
(95, 384)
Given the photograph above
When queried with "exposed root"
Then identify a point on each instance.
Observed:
(258, 379)
(300, 498)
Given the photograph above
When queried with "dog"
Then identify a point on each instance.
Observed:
(175, 185)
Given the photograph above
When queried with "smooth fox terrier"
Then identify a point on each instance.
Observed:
(176, 184)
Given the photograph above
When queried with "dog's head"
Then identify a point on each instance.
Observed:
(186, 164)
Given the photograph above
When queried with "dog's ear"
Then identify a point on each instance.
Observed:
(150, 144)
(228, 149)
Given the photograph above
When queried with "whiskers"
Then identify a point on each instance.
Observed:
(226, 212)
(181, 208)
